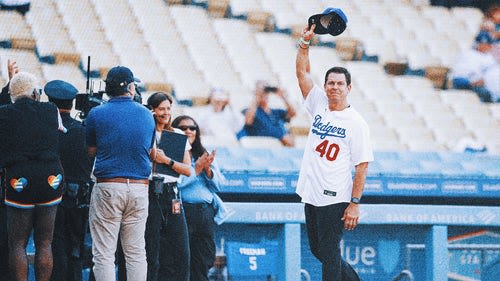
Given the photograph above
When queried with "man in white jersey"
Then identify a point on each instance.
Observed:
(338, 140)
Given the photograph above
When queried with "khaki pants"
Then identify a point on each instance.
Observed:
(119, 208)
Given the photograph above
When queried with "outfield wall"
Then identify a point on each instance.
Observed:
(389, 239)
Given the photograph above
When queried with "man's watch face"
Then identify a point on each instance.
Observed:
(355, 200)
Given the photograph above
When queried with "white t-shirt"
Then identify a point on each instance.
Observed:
(337, 141)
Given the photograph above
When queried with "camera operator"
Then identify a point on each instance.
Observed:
(120, 135)
(72, 213)
(262, 120)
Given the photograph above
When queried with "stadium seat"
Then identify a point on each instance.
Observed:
(25, 58)
(242, 7)
(238, 39)
(52, 40)
(86, 32)
(260, 142)
(67, 72)
(15, 31)
(443, 168)
(218, 8)
(471, 17)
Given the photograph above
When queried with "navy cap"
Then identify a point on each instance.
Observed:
(484, 37)
(332, 21)
(61, 90)
(118, 77)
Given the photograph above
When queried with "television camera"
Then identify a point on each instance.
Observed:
(84, 102)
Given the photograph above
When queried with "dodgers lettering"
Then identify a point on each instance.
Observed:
(326, 130)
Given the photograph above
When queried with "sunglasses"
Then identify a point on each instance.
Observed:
(191, 128)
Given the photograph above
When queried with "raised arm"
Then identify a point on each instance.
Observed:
(302, 65)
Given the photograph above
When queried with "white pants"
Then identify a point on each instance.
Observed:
(118, 208)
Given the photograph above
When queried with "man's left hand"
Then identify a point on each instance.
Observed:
(351, 216)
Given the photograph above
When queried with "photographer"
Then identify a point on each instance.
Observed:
(72, 213)
(262, 120)
(120, 135)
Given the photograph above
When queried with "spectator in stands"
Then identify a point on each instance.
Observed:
(21, 6)
(12, 69)
(167, 241)
(219, 120)
(338, 141)
(119, 134)
(472, 67)
(491, 24)
(262, 120)
(200, 200)
(33, 173)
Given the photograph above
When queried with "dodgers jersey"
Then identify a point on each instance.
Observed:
(337, 141)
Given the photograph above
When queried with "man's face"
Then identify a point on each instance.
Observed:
(336, 87)
(218, 104)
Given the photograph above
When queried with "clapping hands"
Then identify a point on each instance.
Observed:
(203, 163)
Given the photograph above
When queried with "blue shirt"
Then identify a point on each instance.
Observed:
(122, 131)
(272, 124)
(200, 189)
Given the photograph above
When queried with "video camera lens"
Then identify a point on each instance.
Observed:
(270, 89)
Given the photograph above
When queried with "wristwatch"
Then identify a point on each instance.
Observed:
(171, 163)
(355, 200)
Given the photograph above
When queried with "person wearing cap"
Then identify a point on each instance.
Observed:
(72, 213)
(119, 134)
(262, 120)
(338, 142)
(29, 153)
(219, 120)
(472, 66)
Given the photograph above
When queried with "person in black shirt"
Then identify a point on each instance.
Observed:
(4, 254)
(72, 214)
(33, 174)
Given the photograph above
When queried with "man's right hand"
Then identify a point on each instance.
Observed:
(308, 32)
(12, 68)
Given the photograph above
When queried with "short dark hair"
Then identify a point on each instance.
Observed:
(156, 98)
(117, 91)
(62, 104)
(341, 70)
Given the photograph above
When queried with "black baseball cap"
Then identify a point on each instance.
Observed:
(118, 78)
(332, 21)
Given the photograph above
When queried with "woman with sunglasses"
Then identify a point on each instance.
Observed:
(167, 243)
(200, 200)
